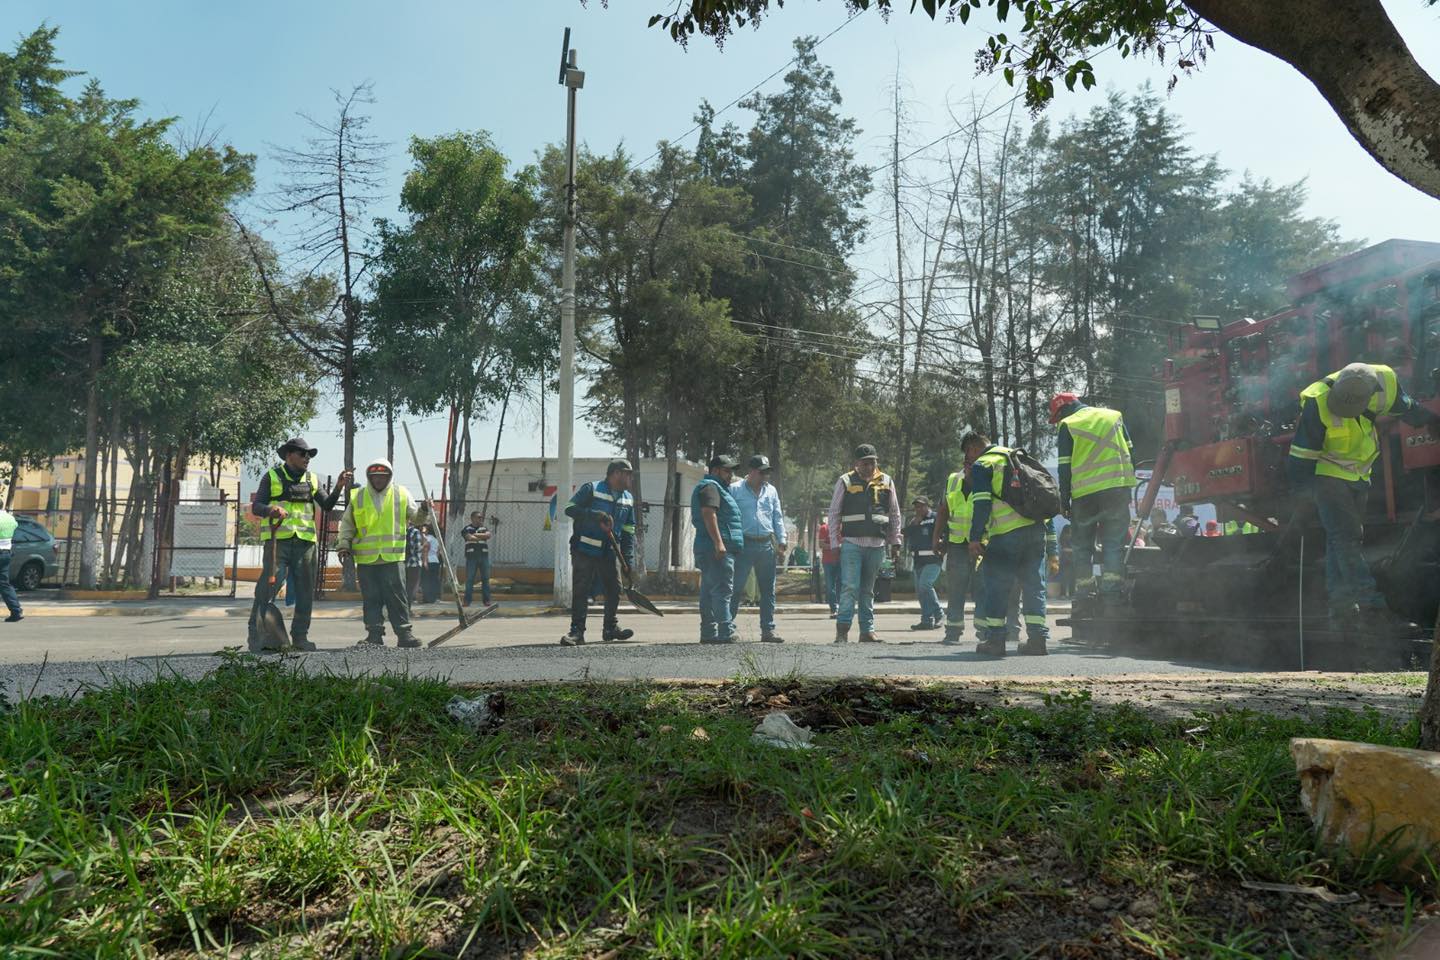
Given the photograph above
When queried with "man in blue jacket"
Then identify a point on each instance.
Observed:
(604, 515)
(719, 539)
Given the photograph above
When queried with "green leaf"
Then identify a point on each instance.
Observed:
(1002, 8)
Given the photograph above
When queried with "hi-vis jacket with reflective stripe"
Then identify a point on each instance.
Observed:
(1346, 447)
(1095, 453)
(592, 501)
(991, 516)
(957, 508)
(374, 525)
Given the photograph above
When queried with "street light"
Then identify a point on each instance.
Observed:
(572, 80)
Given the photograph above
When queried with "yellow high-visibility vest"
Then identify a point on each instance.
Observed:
(1003, 517)
(380, 527)
(1351, 444)
(957, 508)
(299, 519)
(1100, 457)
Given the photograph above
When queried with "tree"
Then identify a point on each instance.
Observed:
(331, 181)
(98, 207)
(456, 303)
(648, 244)
(1350, 50)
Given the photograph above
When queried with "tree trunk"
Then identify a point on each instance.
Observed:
(632, 452)
(10, 487)
(495, 457)
(390, 432)
(1430, 707)
(1360, 64)
(667, 512)
(89, 543)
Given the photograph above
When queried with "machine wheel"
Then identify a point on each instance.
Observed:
(30, 576)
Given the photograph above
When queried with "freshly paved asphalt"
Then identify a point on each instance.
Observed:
(56, 654)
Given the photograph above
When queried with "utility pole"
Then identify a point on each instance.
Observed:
(572, 79)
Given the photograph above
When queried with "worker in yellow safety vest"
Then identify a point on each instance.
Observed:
(373, 533)
(1097, 473)
(1334, 446)
(952, 536)
(286, 501)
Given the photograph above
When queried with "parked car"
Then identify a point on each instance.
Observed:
(32, 555)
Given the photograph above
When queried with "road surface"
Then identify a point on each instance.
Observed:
(58, 654)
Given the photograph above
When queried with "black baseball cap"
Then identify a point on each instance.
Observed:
(723, 460)
(866, 451)
(759, 462)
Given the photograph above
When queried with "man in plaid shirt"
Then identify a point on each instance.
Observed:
(414, 561)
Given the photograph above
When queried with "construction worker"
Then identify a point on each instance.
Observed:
(763, 522)
(373, 533)
(604, 516)
(719, 539)
(925, 556)
(864, 520)
(1013, 547)
(286, 501)
(1334, 447)
(1052, 568)
(953, 524)
(8, 526)
(1097, 473)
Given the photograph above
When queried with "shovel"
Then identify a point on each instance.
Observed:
(636, 597)
(272, 623)
(465, 620)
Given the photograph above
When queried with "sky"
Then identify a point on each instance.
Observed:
(246, 71)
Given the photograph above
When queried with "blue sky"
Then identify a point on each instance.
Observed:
(442, 65)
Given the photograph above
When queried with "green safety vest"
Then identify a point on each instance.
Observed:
(1351, 444)
(380, 528)
(8, 526)
(1233, 527)
(957, 508)
(1003, 517)
(1100, 457)
(299, 519)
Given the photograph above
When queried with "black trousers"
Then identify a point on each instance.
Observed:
(585, 569)
(291, 553)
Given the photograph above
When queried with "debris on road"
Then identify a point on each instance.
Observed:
(1329, 896)
(483, 714)
(778, 730)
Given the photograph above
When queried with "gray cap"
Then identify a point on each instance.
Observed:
(621, 464)
(921, 498)
(866, 451)
(1352, 390)
(759, 462)
(723, 460)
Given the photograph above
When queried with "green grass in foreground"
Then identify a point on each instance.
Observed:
(285, 816)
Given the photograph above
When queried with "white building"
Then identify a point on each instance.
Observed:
(525, 516)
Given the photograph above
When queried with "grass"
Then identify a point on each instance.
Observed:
(262, 812)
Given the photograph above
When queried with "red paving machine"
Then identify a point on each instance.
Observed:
(1231, 401)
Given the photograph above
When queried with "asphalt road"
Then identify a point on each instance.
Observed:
(56, 654)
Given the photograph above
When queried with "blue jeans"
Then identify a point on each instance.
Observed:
(1015, 556)
(717, 586)
(1348, 581)
(477, 564)
(925, 578)
(832, 585)
(1108, 525)
(858, 568)
(760, 557)
(7, 589)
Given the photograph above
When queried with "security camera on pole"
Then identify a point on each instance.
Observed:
(572, 79)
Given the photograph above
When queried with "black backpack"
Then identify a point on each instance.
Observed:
(1029, 489)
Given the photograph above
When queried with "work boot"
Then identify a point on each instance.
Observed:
(924, 624)
(842, 633)
(1033, 647)
(869, 637)
(15, 617)
(302, 645)
(372, 640)
(575, 638)
(615, 632)
(953, 632)
(407, 641)
(771, 638)
(991, 648)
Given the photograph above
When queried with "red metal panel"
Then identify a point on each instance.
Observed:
(1224, 469)
(1418, 449)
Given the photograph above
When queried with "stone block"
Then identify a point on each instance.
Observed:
(1360, 794)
